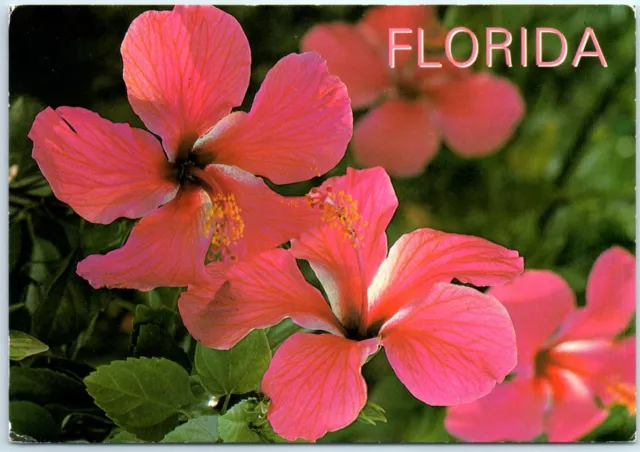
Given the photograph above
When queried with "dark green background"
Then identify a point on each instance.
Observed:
(560, 192)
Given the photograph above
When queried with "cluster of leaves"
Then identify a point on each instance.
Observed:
(148, 399)
(155, 399)
(119, 366)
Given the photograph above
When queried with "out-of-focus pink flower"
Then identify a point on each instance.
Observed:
(413, 108)
(567, 357)
(185, 70)
(447, 343)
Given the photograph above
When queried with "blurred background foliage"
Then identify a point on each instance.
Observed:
(561, 192)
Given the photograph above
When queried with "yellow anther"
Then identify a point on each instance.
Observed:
(228, 227)
(623, 394)
(340, 210)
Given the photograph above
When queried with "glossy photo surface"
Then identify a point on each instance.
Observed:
(332, 224)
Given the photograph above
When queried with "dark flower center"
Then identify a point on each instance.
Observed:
(541, 362)
(353, 332)
(188, 162)
(407, 91)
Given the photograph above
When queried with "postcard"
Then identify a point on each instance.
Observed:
(322, 224)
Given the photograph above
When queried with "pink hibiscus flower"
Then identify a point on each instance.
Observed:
(413, 108)
(196, 193)
(567, 357)
(447, 343)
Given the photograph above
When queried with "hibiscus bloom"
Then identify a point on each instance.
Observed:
(412, 108)
(567, 357)
(447, 343)
(196, 192)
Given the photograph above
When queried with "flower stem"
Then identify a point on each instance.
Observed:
(225, 404)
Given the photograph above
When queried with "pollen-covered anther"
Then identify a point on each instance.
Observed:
(228, 227)
(623, 394)
(340, 210)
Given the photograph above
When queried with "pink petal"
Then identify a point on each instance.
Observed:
(478, 114)
(166, 248)
(378, 20)
(101, 169)
(260, 292)
(333, 257)
(540, 295)
(451, 347)
(349, 56)
(269, 219)
(194, 303)
(513, 411)
(315, 385)
(611, 298)
(424, 257)
(298, 127)
(603, 364)
(574, 412)
(185, 69)
(398, 135)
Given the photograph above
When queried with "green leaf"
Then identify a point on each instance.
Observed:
(202, 429)
(372, 413)
(165, 318)
(41, 189)
(234, 424)
(246, 422)
(267, 435)
(124, 436)
(541, 439)
(89, 420)
(69, 307)
(45, 386)
(100, 238)
(203, 402)
(164, 297)
(153, 335)
(22, 112)
(30, 419)
(427, 426)
(21, 345)
(235, 371)
(74, 369)
(278, 333)
(44, 254)
(153, 342)
(619, 423)
(140, 392)
(15, 244)
(242, 423)
(156, 432)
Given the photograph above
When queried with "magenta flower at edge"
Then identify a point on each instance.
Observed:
(447, 343)
(567, 357)
(196, 193)
(412, 109)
